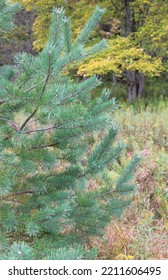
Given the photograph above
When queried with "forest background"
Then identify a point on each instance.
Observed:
(134, 67)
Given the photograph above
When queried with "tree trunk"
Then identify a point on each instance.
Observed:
(135, 84)
(129, 18)
(134, 79)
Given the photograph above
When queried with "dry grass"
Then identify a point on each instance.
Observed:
(143, 231)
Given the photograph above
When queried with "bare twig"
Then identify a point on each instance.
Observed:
(40, 129)
(42, 147)
(14, 126)
(17, 193)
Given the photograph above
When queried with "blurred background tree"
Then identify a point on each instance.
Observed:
(20, 38)
(137, 31)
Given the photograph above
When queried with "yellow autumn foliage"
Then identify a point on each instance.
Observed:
(143, 51)
(121, 54)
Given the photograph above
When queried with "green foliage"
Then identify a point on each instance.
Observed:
(6, 14)
(48, 209)
(142, 231)
(142, 50)
(137, 33)
(146, 130)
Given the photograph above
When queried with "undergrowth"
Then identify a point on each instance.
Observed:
(142, 232)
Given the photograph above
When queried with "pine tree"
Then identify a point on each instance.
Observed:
(56, 147)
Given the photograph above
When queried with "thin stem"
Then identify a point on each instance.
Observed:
(14, 126)
(40, 129)
(26, 121)
(29, 89)
(33, 121)
(42, 147)
(17, 193)
(42, 93)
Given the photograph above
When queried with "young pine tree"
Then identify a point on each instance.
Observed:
(54, 187)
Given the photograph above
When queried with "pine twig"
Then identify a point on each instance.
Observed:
(14, 126)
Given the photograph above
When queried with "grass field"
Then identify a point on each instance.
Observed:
(143, 231)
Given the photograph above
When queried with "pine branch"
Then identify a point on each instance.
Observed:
(42, 93)
(42, 147)
(40, 129)
(14, 126)
(26, 121)
(16, 194)
(47, 77)
(35, 86)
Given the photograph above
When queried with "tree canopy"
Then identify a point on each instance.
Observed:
(136, 29)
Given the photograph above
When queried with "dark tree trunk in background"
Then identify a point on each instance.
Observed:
(135, 84)
(129, 18)
(134, 79)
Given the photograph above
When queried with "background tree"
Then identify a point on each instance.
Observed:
(138, 27)
(139, 49)
(56, 189)
(6, 16)
(6, 20)
(20, 39)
